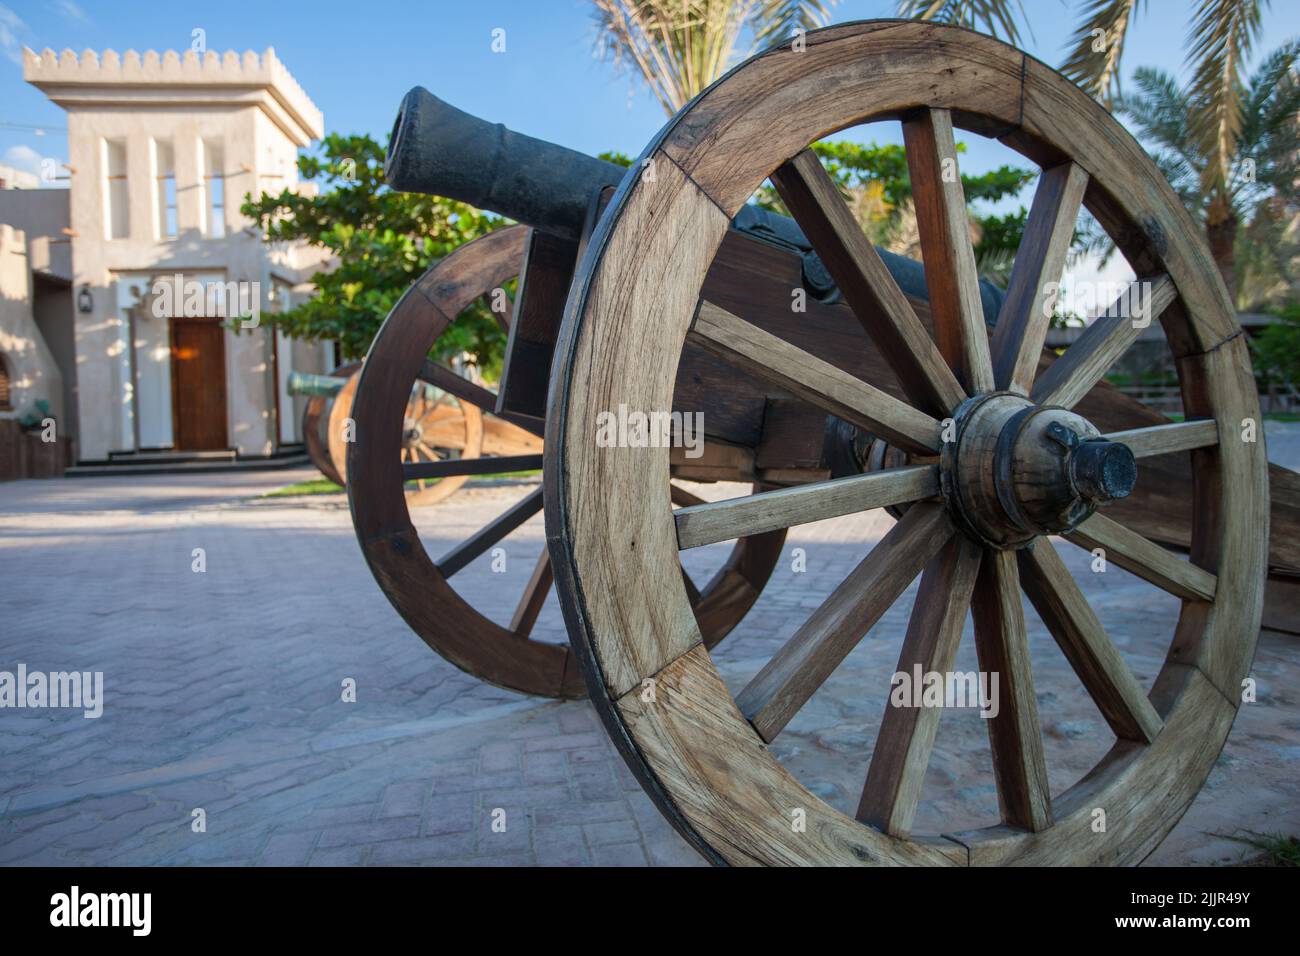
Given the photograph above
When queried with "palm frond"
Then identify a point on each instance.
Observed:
(1094, 61)
(1270, 104)
(678, 46)
(995, 17)
(1159, 108)
(1221, 35)
(773, 19)
(681, 46)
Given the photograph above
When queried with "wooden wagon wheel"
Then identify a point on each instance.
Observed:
(315, 419)
(417, 585)
(436, 426)
(701, 753)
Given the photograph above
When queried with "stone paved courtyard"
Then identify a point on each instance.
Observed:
(222, 692)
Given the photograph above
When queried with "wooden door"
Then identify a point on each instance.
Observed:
(199, 384)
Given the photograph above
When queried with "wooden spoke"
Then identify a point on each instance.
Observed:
(463, 388)
(1002, 646)
(1083, 364)
(786, 682)
(448, 433)
(692, 592)
(683, 498)
(1027, 310)
(1163, 439)
(714, 521)
(499, 317)
(1145, 558)
(906, 737)
(432, 408)
(469, 549)
(470, 466)
(765, 355)
(534, 597)
(871, 292)
(946, 249)
(1083, 640)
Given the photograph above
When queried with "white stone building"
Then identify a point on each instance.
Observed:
(162, 150)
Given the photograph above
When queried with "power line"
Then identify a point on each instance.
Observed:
(32, 127)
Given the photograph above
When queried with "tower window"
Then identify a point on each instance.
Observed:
(214, 188)
(165, 199)
(116, 210)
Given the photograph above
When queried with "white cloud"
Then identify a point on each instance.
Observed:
(23, 157)
(71, 11)
(10, 24)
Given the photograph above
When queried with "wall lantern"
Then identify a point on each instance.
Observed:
(85, 301)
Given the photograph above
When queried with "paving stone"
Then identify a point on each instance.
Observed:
(288, 849)
(222, 692)
(619, 854)
(403, 799)
(432, 849)
(449, 813)
(614, 831)
(352, 833)
(499, 756)
(339, 856)
(560, 846)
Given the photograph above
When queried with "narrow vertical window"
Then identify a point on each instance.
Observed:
(116, 213)
(214, 192)
(165, 176)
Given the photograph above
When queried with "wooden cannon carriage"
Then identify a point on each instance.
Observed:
(435, 427)
(668, 293)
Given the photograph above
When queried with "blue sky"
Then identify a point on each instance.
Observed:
(356, 59)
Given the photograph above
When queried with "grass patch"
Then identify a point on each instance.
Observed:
(1282, 416)
(1275, 849)
(323, 486)
(314, 486)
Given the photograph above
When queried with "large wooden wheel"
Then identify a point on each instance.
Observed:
(419, 586)
(436, 426)
(315, 422)
(1018, 466)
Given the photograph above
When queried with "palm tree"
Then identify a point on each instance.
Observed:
(1254, 177)
(681, 46)
(1219, 41)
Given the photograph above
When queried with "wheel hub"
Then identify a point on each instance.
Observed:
(411, 433)
(1015, 470)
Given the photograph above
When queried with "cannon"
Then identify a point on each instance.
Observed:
(320, 392)
(436, 426)
(669, 294)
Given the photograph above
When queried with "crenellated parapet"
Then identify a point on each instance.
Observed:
(91, 78)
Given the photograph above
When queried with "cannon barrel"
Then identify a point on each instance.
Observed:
(323, 386)
(442, 151)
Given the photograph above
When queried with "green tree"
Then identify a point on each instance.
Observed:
(1258, 182)
(874, 181)
(1276, 350)
(681, 46)
(1221, 117)
(379, 242)
(1219, 41)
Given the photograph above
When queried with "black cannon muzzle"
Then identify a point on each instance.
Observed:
(440, 150)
